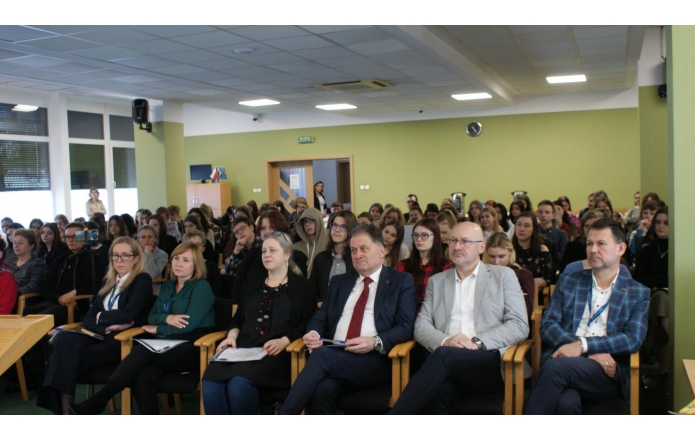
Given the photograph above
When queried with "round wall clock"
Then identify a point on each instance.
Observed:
(473, 129)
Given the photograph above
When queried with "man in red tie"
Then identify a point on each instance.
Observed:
(364, 316)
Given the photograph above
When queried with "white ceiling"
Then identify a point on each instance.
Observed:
(425, 64)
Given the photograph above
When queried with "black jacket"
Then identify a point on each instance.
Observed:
(72, 272)
(134, 304)
(321, 271)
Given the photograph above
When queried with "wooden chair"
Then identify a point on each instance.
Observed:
(379, 400)
(165, 274)
(616, 406)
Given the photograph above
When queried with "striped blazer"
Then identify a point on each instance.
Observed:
(627, 319)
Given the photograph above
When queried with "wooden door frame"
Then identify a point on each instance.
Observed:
(310, 192)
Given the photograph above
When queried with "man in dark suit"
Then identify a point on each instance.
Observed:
(595, 320)
(371, 310)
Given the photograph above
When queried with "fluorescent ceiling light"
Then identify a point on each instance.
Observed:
(566, 79)
(479, 96)
(336, 106)
(259, 102)
(24, 108)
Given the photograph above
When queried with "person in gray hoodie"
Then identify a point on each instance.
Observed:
(313, 234)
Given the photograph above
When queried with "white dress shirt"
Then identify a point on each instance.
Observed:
(368, 323)
(114, 293)
(462, 314)
(598, 327)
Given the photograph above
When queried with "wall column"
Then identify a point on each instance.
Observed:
(681, 139)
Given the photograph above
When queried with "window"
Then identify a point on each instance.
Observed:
(85, 125)
(87, 166)
(124, 168)
(121, 128)
(23, 123)
(24, 166)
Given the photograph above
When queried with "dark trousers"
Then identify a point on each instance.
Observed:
(332, 372)
(447, 373)
(141, 371)
(73, 354)
(564, 383)
(59, 311)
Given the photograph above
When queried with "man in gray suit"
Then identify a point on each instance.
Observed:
(471, 314)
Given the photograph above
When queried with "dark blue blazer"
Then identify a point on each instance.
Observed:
(394, 306)
(627, 319)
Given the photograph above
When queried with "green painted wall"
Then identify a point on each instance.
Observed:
(681, 114)
(551, 154)
(653, 124)
(175, 164)
(150, 167)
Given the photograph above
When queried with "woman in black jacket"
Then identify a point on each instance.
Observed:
(336, 259)
(122, 303)
(275, 309)
(319, 200)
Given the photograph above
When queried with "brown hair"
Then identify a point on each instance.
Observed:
(199, 270)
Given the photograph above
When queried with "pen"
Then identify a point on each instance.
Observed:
(162, 350)
(332, 341)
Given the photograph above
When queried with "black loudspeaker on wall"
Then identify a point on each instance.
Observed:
(141, 112)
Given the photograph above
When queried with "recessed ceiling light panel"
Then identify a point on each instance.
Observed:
(478, 96)
(340, 106)
(24, 108)
(566, 79)
(243, 51)
(255, 103)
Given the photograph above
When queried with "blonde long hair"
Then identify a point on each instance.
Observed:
(495, 225)
(139, 267)
(501, 240)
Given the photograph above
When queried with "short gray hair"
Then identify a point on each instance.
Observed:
(151, 228)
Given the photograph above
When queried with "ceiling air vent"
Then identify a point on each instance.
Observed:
(355, 86)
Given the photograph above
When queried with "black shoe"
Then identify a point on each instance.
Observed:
(87, 407)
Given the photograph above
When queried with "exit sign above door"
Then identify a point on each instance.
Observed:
(305, 140)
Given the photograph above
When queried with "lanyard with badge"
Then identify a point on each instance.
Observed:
(167, 301)
(113, 299)
(595, 316)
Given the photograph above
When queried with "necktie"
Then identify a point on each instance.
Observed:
(355, 328)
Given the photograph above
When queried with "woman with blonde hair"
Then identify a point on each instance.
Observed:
(488, 221)
(94, 204)
(499, 250)
(122, 303)
(183, 311)
(393, 213)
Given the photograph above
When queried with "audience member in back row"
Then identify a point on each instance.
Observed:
(29, 271)
(122, 303)
(243, 239)
(156, 259)
(531, 253)
(10, 257)
(426, 257)
(500, 251)
(474, 210)
(431, 211)
(396, 251)
(563, 221)
(69, 275)
(365, 218)
(503, 219)
(192, 222)
(488, 221)
(446, 222)
(204, 224)
(637, 236)
(515, 209)
(213, 276)
(558, 239)
(6, 221)
(61, 221)
(391, 214)
(574, 259)
(320, 202)
(376, 210)
(116, 228)
(51, 246)
(314, 240)
(165, 242)
(130, 225)
(590, 205)
(567, 206)
(36, 225)
(336, 259)
(652, 271)
(269, 222)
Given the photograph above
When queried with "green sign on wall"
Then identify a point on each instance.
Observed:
(305, 140)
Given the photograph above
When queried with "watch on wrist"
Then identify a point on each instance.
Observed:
(479, 343)
(378, 345)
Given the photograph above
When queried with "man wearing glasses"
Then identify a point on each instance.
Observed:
(70, 275)
(471, 314)
(410, 200)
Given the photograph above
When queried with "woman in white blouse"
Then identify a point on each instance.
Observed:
(94, 204)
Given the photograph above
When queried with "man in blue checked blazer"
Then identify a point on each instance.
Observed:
(595, 320)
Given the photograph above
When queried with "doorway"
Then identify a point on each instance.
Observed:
(287, 179)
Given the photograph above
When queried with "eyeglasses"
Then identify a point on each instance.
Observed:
(269, 234)
(462, 242)
(421, 236)
(70, 237)
(308, 220)
(239, 230)
(338, 226)
(122, 257)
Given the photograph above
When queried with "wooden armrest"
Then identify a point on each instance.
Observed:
(397, 363)
(22, 301)
(520, 354)
(404, 348)
(634, 360)
(210, 339)
(72, 304)
(293, 344)
(158, 281)
(80, 297)
(129, 334)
